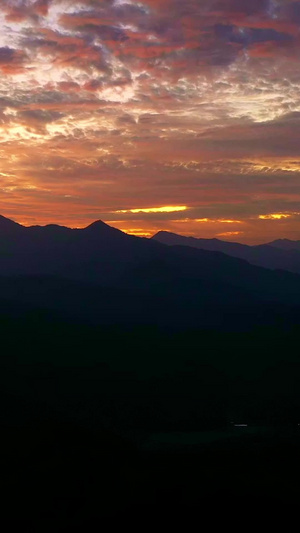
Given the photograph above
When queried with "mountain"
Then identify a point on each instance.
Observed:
(8, 226)
(97, 253)
(214, 245)
(101, 275)
(282, 254)
(285, 244)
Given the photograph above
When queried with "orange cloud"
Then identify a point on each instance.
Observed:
(108, 106)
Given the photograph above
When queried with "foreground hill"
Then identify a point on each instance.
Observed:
(281, 254)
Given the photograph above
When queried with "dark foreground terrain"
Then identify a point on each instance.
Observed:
(144, 383)
(88, 434)
(62, 476)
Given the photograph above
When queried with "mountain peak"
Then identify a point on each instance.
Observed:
(96, 224)
(101, 228)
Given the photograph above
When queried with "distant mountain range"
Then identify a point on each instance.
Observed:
(102, 275)
(279, 254)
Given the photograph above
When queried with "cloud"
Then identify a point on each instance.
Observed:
(110, 106)
(11, 60)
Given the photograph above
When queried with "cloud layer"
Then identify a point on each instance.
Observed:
(118, 109)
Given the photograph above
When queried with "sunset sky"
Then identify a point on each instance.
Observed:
(179, 115)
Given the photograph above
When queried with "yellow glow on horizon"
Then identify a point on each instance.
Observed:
(229, 233)
(137, 233)
(165, 209)
(211, 220)
(229, 221)
(274, 216)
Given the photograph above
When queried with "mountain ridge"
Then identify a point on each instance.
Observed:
(273, 255)
(144, 279)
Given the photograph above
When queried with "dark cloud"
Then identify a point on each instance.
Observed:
(90, 31)
(19, 10)
(7, 55)
(37, 119)
(291, 10)
(248, 36)
(11, 60)
(246, 7)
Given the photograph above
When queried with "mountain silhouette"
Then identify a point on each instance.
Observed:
(102, 275)
(285, 244)
(6, 224)
(95, 253)
(280, 254)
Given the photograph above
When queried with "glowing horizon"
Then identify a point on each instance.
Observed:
(165, 209)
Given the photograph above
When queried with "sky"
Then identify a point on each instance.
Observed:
(157, 115)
